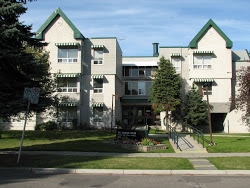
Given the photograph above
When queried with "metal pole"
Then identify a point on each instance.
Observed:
(209, 117)
(111, 114)
(21, 143)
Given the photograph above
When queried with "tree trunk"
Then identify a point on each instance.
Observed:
(166, 119)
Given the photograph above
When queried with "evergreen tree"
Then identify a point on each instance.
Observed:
(242, 99)
(165, 91)
(195, 109)
(23, 62)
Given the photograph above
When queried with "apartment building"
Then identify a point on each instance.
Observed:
(99, 87)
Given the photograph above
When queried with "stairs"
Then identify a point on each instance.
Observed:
(187, 145)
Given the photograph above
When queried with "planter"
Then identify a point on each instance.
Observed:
(143, 148)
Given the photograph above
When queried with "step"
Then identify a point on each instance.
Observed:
(202, 164)
(187, 145)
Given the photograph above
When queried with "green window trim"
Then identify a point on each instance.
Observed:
(98, 104)
(203, 80)
(67, 44)
(66, 75)
(203, 52)
(175, 54)
(97, 46)
(68, 104)
(97, 76)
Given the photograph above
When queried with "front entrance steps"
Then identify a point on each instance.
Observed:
(187, 145)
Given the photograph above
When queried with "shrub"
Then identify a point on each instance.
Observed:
(46, 126)
(148, 142)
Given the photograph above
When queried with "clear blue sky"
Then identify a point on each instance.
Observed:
(139, 23)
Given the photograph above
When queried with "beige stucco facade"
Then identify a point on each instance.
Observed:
(103, 87)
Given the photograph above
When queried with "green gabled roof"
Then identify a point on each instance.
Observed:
(58, 12)
(210, 23)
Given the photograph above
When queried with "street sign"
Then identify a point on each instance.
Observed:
(31, 94)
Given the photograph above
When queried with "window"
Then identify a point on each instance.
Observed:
(98, 85)
(67, 85)
(209, 88)
(135, 71)
(149, 71)
(202, 62)
(97, 113)
(141, 71)
(141, 88)
(66, 55)
(68, 113)
(137, 88)
(98, 56)
(201, 86)
(176, 61)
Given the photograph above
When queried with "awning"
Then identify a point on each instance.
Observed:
(67, 74)
(220, 107)
(135, 101)
(97, 46)
(97, 76)
(203, 80)
(68, 104)
(68, 44)
(176, 54)
(203, 52)
(97, 104)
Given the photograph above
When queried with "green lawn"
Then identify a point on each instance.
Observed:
(87, 141)
(231, 163)
(55, 161)
(229, 143)
(97, 141)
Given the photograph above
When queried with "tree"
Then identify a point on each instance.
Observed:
(195, 109)
(23, 62)
(242, 99)
(165, 91)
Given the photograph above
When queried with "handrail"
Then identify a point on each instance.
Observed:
(196, 132)
(174, 135)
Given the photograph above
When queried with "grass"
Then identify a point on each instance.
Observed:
(85, 141)
(96, 141)
(55, 161)
(229, 143)
(231, 163)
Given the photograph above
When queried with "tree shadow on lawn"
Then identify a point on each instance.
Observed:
(52, 135)
(75, 145)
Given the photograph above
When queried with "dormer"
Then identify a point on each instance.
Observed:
(58, 13)
(204, 30)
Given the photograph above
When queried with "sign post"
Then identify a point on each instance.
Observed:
(32, 96)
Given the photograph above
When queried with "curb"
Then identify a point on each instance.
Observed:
(126, 171)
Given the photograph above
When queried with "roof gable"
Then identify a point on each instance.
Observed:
(58, 12)
(210, 23)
